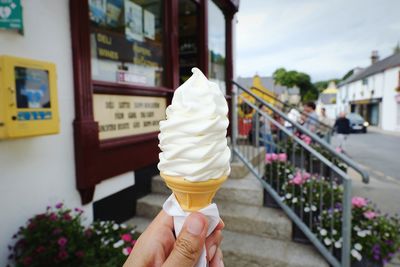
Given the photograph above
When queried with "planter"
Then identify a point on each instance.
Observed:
(297, 234)
(366, 263)
(269, 201)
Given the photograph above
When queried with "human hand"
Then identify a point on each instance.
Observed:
(158, 247)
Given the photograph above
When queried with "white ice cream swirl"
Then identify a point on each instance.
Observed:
(193, 137)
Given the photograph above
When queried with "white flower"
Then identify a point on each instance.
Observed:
(358, 246)
(356, 228)
(386, 234)
(288, 196)
(118, 244)
(334, 232)
(290, 176)
(323, 232)
(356, 254)
(294, 200)
(306, 209)
(102, 223)
(338, 244)
(115, 227)
(313, 208)
(123, 226)
(327, 241)
(361, 233)
(125, 251)
(367, 232)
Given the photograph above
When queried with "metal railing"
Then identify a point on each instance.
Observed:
(300, 173)
(325, 131)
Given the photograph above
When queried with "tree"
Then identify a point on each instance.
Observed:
(396, 49)
(294, 78)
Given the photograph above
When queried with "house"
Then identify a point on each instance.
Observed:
(327, 100)
(374, 92)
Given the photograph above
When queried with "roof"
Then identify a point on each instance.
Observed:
(268, 82)
(332, 89)
(382, 65)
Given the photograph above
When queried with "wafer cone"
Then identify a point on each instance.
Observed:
(193, 196)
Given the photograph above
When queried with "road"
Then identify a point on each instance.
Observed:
(379, 153)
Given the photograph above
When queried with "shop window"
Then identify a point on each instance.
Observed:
(216, 45)
(126, 38)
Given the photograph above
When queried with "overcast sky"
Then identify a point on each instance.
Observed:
(324, 38)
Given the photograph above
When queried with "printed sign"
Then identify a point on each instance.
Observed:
(120, 116)
(11, 15)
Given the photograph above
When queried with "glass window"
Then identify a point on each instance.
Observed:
(216, 45)
(32, 87)
(126, 41)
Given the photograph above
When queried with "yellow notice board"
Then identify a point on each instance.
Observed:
(121, 116)
(28, 98)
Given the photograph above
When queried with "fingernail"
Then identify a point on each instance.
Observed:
(194, 226)
(212, 251)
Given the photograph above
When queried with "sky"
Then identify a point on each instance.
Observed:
(323, 38)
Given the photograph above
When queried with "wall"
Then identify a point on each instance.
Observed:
(40, 171)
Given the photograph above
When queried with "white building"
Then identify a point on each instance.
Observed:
(327, 99)
(372, 92)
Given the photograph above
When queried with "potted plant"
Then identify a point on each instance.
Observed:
(277, 171)
(375, 238)
(58, 238)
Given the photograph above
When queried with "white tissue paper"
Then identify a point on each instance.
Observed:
(172, 208)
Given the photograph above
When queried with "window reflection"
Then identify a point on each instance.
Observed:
(216, 45)
(126, 41)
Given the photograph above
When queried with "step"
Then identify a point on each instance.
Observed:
(241, 250)
(245, 191)
(256, 155)
(260, 221)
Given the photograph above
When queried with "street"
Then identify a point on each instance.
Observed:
(378, 153)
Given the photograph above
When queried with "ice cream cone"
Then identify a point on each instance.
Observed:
(193, 196)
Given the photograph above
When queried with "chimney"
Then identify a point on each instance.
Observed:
(374, 57)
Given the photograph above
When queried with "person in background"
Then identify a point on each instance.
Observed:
(311, 117)
(265, 134)
(293, 115)
(342, 127)
(327, 124)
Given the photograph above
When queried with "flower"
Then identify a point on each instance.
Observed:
(323, 232)
(126, 251)
(62, 255)
(356, 254)
(115, 227)
(358, 246)
(327, 241)
(118, 244)
(126, 237)
(59, 205)
(282, 157)
(358, 202)
(62, 241)
(369, 214)
(79, 254)
(40, 249)
(53, 217)
(27, 261)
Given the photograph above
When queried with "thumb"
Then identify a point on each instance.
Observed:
(190, 242)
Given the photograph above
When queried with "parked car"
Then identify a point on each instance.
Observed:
(357, 123)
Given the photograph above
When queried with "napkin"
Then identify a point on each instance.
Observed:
(172, 208)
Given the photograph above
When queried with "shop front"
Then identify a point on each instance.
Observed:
(369, 109)
(128, 57)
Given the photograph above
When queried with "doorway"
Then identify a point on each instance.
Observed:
(188, 38)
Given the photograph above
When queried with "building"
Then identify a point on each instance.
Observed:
(285, 94)
(117, 64)
(373, 92)
(327, 100)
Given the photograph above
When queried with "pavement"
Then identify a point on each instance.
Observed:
(379, 153)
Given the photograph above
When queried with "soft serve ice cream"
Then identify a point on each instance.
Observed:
(193, 137)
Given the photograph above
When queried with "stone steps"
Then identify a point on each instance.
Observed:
(240, 249)
(247, 190)
(248, 219)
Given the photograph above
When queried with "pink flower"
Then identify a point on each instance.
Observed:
(79, 254)
(339, 149)
(297, 180)
(358, 202)
(268, 158)
(126, 237)
(306, 139)
(282, 157)
(62, 255)
(369, 214)
(53, 217)
(62, 241)
(300, 178)
(59, 205)
(133, 242)
(126, 251)
(40, 249)
(274, 157)
(67, 217)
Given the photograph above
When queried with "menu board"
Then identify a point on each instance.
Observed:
(120, 116)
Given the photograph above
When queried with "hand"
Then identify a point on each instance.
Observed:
(158, 247)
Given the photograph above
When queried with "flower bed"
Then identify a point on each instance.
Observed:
(58, 238)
